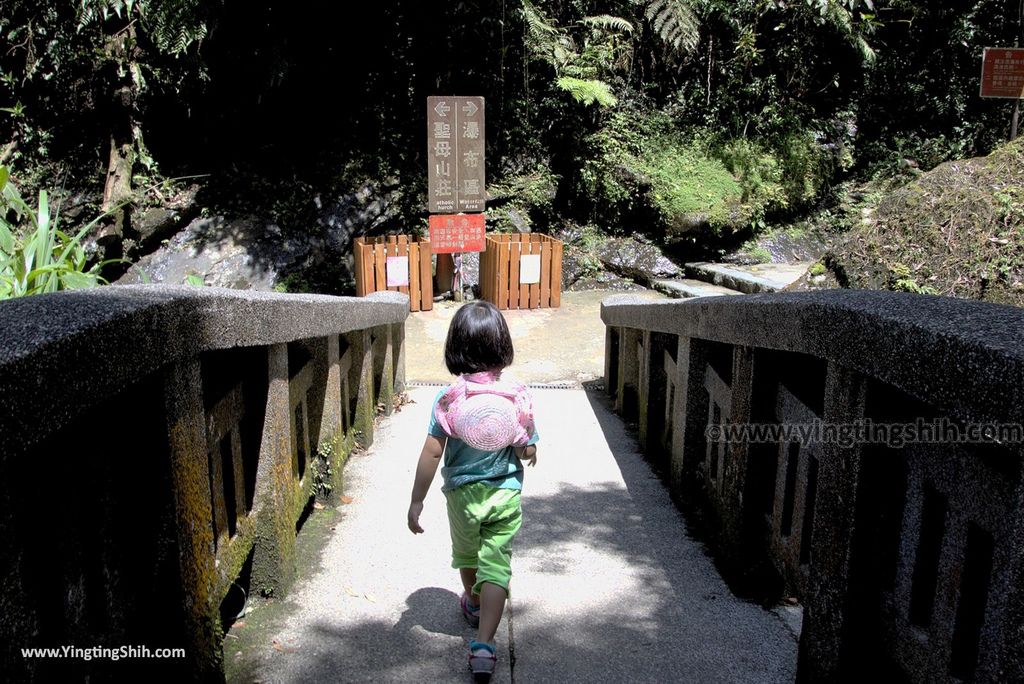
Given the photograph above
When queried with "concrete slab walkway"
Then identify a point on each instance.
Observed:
(563, 345)
(608, 585)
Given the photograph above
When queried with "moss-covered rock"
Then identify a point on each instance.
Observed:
(956, 230)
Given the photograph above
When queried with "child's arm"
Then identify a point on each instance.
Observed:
(528, 454)
(430, 457)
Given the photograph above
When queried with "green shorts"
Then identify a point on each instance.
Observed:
(483, 520)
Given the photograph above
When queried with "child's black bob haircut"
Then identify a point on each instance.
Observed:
(478, 340)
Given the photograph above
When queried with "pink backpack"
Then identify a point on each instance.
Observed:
(486, 412)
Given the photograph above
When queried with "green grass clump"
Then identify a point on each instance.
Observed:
(35, 255)
(956, 230)
(688, 187)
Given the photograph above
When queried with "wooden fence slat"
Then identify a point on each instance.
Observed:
(492, 272)
(556, 274)
(485, 266)
(403, 250)
(359, 267)
(426, 277)
(545, 274)
(485, 270)
(524, 290)
(535, 287)
(414, 276)
(369, 256)
(503, 281)
(380, 282)
(515, 250)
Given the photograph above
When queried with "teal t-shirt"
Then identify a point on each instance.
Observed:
(464, 464)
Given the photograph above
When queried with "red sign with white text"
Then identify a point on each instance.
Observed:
(451, 233)
(1002, 73)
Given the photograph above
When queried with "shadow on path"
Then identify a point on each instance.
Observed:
(611, 587)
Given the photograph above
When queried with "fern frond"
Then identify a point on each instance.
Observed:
(675, 23)
(174, 26)
(607, 21)
(588, 91)
(543, 38)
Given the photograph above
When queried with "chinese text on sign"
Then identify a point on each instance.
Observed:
(455, 154)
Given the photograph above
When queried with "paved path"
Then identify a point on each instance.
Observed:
(608, 585)
(563, 345)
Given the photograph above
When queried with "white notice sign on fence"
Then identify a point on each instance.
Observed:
(397, 268)
(529, 269)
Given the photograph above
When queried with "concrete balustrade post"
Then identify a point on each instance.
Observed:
(1007, 661)
(826, 607)
(361, 380)
(398, 352)
(653, 392)
(190, 475)
(331, 421)
(611, 359)
(643, 389)
(734, 472)
(689, 434)
(384, 369)
(332, 426)
(627, 390)
(274, 501)
(679, 404)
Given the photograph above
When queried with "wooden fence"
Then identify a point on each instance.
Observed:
(500, 271)
(371, 254)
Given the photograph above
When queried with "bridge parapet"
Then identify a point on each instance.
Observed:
(157, 443)
(798, 426)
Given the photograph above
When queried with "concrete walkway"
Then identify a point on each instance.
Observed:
(563, 345)
(608, 585)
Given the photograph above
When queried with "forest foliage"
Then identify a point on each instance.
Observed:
(672, 117)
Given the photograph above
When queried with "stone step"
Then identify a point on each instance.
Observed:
(748, 279)
(686, 288)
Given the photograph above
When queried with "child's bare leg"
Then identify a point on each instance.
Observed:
(468, 576)
(492, 605)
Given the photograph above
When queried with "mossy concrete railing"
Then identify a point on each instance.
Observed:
(159, 443)
(906, 550)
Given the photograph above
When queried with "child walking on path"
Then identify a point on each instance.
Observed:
(483, 426)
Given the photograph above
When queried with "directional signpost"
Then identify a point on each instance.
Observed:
(455, 154)
(455, 177)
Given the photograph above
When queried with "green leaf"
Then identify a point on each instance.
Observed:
(588, 91)
(74, 280)
(606, 21)
(675, 23)
(195, 281)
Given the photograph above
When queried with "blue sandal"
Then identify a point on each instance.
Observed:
(471, 614)
(482, 661)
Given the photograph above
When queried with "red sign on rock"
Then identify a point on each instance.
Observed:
(452, 233)
(1002, 73)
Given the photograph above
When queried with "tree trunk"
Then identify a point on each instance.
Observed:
(118, 191)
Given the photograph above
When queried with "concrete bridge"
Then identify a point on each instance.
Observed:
(161, 448)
